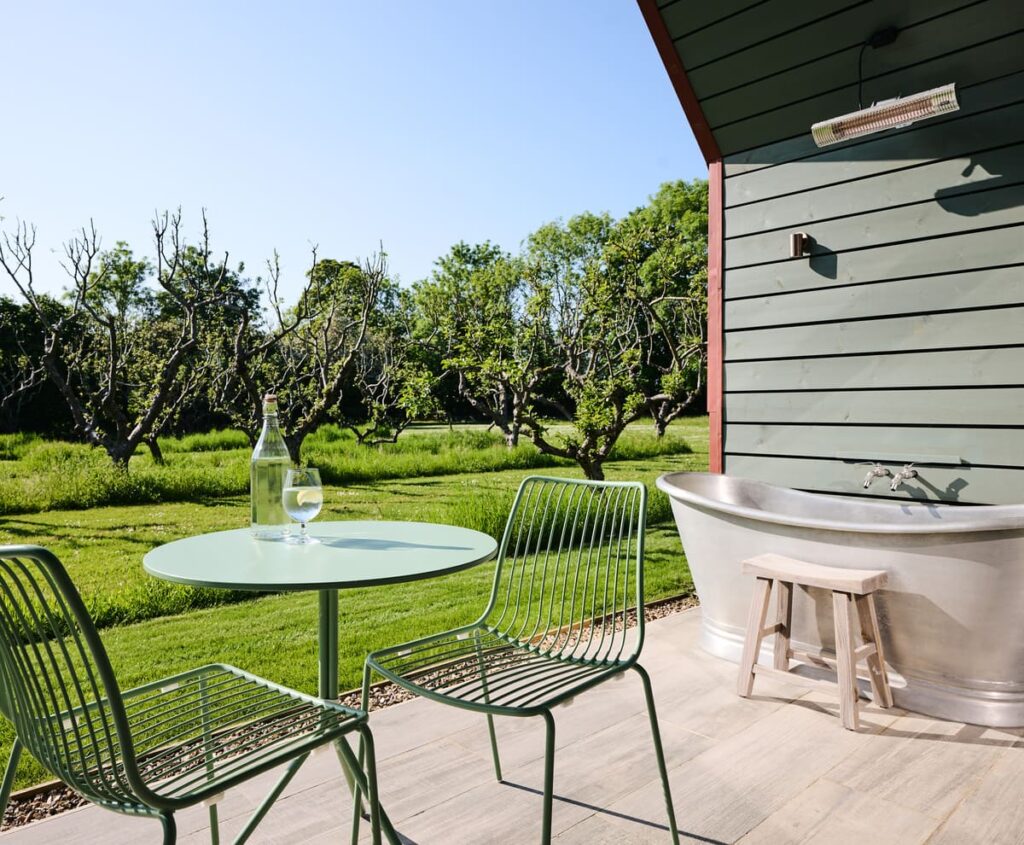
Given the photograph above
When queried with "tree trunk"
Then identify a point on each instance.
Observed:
(120, 453)
(511, 436)
(592, 468)
(660, 425)
(294, 444)
(154, 450)
(362, 437)
(506, 403)
(376, 436)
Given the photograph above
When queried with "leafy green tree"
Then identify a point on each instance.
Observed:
(596, 334)
(660, 253)
(628, 307)
(493, 342)
(599, 322)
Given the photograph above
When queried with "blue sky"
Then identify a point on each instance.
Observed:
(343, 124)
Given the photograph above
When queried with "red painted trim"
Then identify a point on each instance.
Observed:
(716, 247)
(716, 244)
(677, 74)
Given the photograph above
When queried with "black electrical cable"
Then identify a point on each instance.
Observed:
(860, 75)
(881, 38)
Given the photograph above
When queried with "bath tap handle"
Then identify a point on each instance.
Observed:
(904, 474)
(876, 471)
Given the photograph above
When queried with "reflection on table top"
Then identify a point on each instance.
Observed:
(349, 554)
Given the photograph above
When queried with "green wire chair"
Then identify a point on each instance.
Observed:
(569, 566)
(157, 748)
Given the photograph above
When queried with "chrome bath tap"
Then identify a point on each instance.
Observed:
(877, 471)
(904, 474)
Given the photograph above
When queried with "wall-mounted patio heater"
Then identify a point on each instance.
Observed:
(888, 114)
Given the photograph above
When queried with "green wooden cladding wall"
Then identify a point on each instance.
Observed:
(901, 337)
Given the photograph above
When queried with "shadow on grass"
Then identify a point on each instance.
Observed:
(158, 533)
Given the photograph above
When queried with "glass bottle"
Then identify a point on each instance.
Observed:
(269, 462)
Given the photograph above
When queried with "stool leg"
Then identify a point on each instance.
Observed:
(784, 608)
(876, 662)
(752, 643)
(845, 665)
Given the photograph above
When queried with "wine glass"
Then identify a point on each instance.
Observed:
(303, 497)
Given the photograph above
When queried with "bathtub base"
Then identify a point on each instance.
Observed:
(987, 708)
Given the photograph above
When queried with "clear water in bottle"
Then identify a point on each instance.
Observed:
(270, 460)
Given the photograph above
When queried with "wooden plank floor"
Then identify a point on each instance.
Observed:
(776, 768)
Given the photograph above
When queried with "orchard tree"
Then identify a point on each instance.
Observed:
(233, 296)
(595, 333)
(21, 368)
(308, 353)
(122, 361)
(248, 351)
(392, 372)
(660, 253)
(492, 339)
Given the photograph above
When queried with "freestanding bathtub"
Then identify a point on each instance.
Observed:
(952, 615)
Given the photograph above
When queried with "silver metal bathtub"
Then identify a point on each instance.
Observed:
(952, 615)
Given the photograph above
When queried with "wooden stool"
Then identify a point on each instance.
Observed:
(849, 587)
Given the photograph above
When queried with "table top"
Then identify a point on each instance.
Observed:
(349, 554)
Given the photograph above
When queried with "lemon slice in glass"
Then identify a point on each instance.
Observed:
(309, 496)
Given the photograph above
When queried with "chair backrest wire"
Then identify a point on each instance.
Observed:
(57, 684)
(570, 567)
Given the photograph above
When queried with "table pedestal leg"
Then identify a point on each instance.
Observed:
(328, 674)
(329, 644)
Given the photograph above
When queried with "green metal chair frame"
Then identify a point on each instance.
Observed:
(158, 748)
(556, 622)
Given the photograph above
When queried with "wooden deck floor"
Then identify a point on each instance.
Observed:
(777, 768)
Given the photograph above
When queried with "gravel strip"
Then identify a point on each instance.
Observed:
(47, 800)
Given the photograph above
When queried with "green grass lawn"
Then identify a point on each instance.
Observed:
(173, 627)
(38, 475)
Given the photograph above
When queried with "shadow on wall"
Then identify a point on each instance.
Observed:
(922, 489)
(1003, 189)
(823, 260)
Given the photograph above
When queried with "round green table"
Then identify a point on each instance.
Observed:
(349, 554)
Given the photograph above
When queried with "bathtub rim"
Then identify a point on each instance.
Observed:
(981, 517)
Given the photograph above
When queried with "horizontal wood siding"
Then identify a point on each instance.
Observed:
(892, 445)
(901, 337)
(962, 174)
(828, 43)
(684, 17)
(954, 406)
(992, 327)
(971, 289)
(966, 485)
(972, 250)
(982, 209)
(923, 50)
(954, 134)
(977, 63)
(976, 367)
(758, 23)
